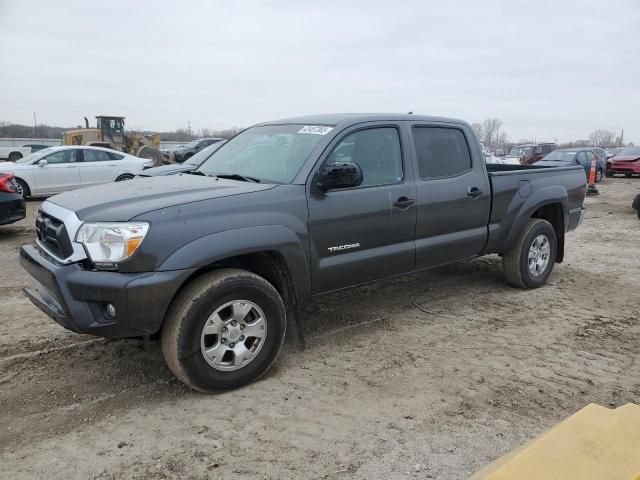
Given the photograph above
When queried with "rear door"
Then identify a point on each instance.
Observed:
(367, 232)
(99, 166)
(59, 174)
(453, 194)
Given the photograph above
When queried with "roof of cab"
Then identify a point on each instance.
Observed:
(344, 119)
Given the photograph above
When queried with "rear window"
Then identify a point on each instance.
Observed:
(442, 152)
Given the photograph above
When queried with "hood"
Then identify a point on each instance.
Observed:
(625, 158)
(167, 170)
(9, 167)
(121, 201)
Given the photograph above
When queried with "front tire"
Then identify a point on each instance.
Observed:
(223, 330)
(530, 261)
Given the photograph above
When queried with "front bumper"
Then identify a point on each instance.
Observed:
(76, 298)
(12, 208)
(624, 167)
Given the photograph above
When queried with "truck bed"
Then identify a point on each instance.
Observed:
(515, 187)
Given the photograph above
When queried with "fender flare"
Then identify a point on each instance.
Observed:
(210, 249)
(545, 196)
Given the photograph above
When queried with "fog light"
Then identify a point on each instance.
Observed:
(110, 310)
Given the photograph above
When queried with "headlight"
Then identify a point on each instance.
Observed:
(148, 164)
(109, 243)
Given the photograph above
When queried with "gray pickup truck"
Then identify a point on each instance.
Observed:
(217, 261)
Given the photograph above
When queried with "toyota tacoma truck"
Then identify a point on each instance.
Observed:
(217, 261)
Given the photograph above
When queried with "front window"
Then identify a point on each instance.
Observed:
(560, 156)
(520, 151)
(629, 151)
(269, 153)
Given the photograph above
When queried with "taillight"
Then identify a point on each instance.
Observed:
(7, 184)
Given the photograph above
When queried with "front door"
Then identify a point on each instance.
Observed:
(59, 174)
(454, 197)
(367, 232)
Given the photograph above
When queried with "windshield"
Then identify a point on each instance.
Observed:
(32, 156)
(270, 153)
(520, 151)
(560, 156)
(203, 154)
(629, 151)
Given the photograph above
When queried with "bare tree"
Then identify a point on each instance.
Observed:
(478, 130)
(601, 138)
(491, 130)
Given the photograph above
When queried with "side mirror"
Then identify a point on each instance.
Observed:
(339, 175)
(42, 163)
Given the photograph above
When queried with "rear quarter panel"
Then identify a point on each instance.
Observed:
(518, 194)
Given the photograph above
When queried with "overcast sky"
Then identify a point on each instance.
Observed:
(548, 70)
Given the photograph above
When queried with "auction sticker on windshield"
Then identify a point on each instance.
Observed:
(315, 129)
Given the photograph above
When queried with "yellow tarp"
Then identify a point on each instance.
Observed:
(595, 443)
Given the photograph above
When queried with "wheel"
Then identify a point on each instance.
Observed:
(609, 173)
(152, 154)
(124, 177)
(598, 176)
(628, 175)
(23, 188)
(13, 156)
(224, 330)
(529, 262)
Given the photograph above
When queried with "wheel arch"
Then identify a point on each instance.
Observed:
(549, 204)
(273, 252)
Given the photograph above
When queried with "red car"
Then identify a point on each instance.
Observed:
(626, 161)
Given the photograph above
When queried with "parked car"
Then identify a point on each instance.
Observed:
(500, 152)
(575, 156)
(58, 169)
(217, 263)
(528, 153)
(36, 147)
(626, 161)
(191, 148)
(13, 153)
(188, 165)
(12, 204)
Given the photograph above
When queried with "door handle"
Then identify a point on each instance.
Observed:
(474, 192)
(404, 202)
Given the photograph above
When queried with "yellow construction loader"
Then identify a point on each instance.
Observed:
(110, 134)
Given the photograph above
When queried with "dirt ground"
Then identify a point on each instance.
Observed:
(428, 376)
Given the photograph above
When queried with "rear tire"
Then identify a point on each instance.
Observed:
(197, 308)
(519, 267)
(609, 174)
(13, 156)
(598, 176)
(23, 188)
(124, 177)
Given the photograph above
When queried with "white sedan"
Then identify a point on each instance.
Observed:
(58, 169)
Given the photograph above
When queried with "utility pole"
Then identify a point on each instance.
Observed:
(35, 125)
(189, 127)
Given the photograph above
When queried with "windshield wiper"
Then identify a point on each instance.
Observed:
(237, 176)
(196, 172)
